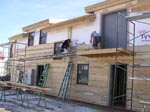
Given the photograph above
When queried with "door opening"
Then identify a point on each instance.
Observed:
(40, 69)
(118, 82)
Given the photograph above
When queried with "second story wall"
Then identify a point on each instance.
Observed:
(81, 34)
(23, 40)
(142, 31)
(57, 35)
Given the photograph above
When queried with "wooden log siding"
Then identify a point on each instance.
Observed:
(35, 51)
(105, 52)
(97, 90)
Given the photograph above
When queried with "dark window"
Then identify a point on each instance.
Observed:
(82, 74)
(31, 39)
(43, 36)
(57, 47)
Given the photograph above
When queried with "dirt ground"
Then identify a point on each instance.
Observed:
(14, 104)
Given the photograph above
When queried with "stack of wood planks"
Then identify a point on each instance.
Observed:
(3, 110)
(23, 86)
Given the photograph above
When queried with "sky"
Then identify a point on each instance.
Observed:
(16, 14)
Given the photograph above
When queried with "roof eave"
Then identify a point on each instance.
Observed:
(71, 22)
(105, 4)
(36, 25)
(18, 36)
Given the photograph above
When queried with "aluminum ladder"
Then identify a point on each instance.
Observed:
(66, 82)
(43, 77)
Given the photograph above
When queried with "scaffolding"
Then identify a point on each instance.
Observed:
(17, 58)
(133, 65)
(11, 57)
(19, 61)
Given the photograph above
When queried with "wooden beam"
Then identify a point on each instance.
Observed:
(105, 52)
(4, 110)
(105, 4)
(71, 22)
(23, 86)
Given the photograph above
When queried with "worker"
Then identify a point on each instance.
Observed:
(65, 46)
(96, 40)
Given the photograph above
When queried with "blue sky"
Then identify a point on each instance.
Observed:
(16, 14)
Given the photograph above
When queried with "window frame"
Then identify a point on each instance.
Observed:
(40, 38)
(55, 47)
(81, 83)
(31, 38)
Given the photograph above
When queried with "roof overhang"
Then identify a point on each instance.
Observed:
(19, 36)
(142, 5)
(105, 4)
(71, 22)
(36, 25)
(138, 17)
(4, 44)
(105, 53)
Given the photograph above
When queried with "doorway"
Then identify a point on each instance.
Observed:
(40, 69)
(113, 23)
(118, 84)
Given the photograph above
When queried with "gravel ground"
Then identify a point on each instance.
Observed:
(14, 104)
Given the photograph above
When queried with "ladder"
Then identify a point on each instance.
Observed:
(43, 76)
(66, 82)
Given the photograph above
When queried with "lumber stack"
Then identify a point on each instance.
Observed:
(3, 110)
(23, 86)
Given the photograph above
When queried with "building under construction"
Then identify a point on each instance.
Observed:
(116, 76)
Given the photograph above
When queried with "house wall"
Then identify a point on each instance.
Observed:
(97, 90)
(23, 40)
(81, 34)
(57, 35)
(141, 26)
(142, 58)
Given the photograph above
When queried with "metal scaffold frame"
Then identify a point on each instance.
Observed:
(130, 21)
(14, 46)
(10, 60)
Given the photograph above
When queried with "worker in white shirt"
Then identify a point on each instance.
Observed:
(96, 40)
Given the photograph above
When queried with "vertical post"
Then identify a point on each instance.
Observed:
(116, 58)
(70, 32)
(25, 60)
(13, 66)
(133, 61)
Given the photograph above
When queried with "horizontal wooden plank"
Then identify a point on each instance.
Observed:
(4, 110)
(23, 86)
(105, 52)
